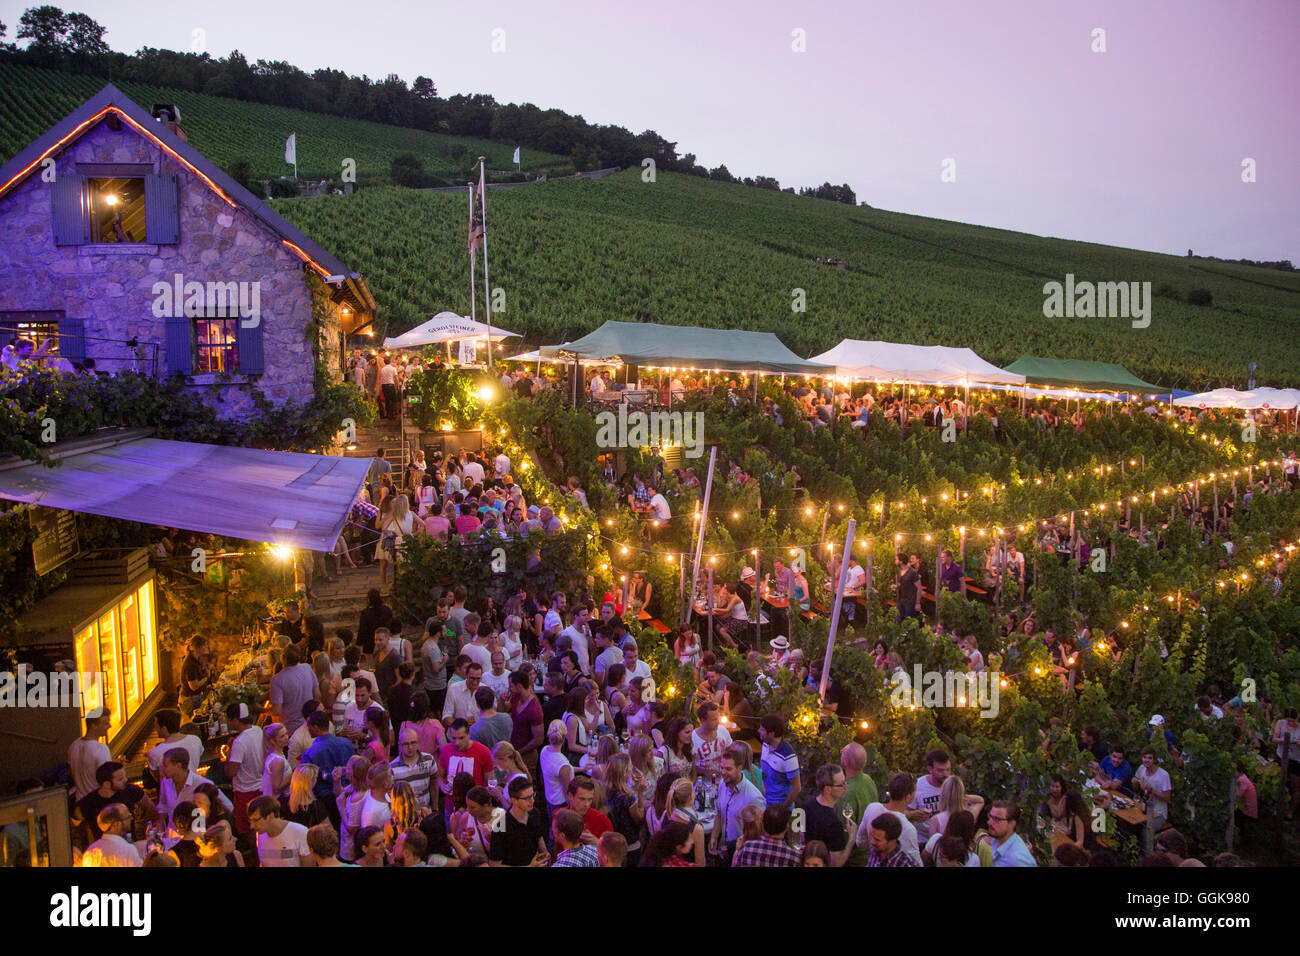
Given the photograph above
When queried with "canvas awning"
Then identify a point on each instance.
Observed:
(922, 364)
(687, 347)
(1270, 398)
(536, 356)
(278, 497)
(446, 327)
(1075, 373)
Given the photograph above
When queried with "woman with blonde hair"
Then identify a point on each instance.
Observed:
(302, 805)
(606, 748)
(351, 798)
(624, 804)
(217, 846)
(681, 808)
(406, 812)
(556, 770)
(399, 525)
(327, 680)
(953, 798)
(275, 768)
(645, 765)
(507, 764)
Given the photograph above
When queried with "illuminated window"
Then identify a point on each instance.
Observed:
(217, 345)
(116, 210)
(108, 659)
(148, 640)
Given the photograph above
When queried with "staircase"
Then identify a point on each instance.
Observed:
(389, 435)
(339, 604)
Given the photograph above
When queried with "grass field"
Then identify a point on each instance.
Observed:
(227, 130)
(570, 254)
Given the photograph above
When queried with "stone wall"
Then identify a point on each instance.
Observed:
(110, 286)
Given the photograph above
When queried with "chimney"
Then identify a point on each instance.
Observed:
(170, 116)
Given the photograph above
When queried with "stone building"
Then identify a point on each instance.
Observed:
(125, 245)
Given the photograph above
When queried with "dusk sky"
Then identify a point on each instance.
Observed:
(1139, 146)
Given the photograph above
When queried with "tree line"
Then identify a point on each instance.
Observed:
(75, 42)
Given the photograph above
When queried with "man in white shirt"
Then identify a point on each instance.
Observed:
(460, 697)
(902, 787)
(659, 504)
(710, 740)
(473, 470)
(635, 666)
(1152, 783)
(676, 390)
(167, 724)
(178, 785)
(87, 753)
(279, 842)
(376, 810)
(597, 385)
(498, 678)
(246, 758)
(477, 647)
(113, 848)
(925, 803)
(354, 717)
(579, 632)
(502, 463)
(387, 383)
(854, 581)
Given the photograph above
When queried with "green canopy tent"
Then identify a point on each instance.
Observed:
(688, 347)
(651, 345)
(1086, 376)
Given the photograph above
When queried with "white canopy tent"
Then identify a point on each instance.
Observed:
(1269, 398)
(446, 327)
(919, 364)
(536, 356)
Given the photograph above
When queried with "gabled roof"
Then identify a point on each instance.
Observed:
(1077, 373)
(927, 364)
(110, 98)
(648, 343)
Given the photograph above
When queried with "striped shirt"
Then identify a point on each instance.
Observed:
(418, 775)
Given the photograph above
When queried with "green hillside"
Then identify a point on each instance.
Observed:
(227, 130)
(572, 253)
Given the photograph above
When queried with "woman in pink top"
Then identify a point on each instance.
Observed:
(425, 724)
(380, 728)
(439, 525)
(467, 522)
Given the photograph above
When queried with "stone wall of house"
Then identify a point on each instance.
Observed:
(111, 286)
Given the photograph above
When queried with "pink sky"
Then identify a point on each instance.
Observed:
(1139, 146)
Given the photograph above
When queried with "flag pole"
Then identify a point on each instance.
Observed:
(472, 257)
(487, 290)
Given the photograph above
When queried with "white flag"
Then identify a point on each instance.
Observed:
(516, 159)
(291, 149)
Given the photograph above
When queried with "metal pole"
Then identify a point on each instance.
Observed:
(821, 542)
(709, 607)
(835, 610)
(704, 518)
(758, 601)
(963, 562)
(472, 256)
(682, 604)
(487, 290)
(871, 584)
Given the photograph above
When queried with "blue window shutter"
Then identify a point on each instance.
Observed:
(251, 361)
(68, 204)
(162, 221)
(72, 339)
(180, 336)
